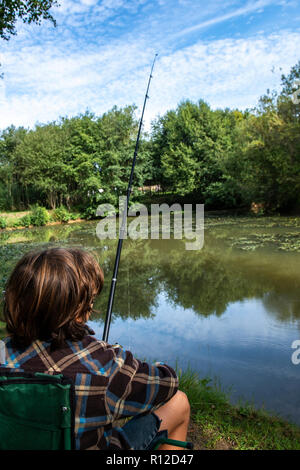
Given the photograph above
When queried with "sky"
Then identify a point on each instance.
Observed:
(225, 52)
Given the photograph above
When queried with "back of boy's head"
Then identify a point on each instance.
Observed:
(50, 294)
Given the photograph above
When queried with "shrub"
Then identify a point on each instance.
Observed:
(61, 214)
(39, 216)
(25, 221)
(75, 215)
(89, 213)
(221, 194)
(3, 222)
(14, 222)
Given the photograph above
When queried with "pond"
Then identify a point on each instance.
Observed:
(230, 311)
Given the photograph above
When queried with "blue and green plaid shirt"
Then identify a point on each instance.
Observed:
(110, 384)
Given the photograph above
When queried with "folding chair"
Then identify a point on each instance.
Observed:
(36, 411)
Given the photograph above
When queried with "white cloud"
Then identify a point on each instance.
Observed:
(248, 8)
(104, 8)
(45, 82)
(229, 72)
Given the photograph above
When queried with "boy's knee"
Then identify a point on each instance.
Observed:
(183, 403)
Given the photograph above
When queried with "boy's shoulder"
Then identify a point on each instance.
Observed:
(89, 356)
(91, 342)
(95, 354)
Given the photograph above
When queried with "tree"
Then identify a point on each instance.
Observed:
(29, 11)
(269, 150)
(274, 160)
(78, 162)
(99, 152)
(191, 146)
(39, 164)
(286, 106)
(12, 194)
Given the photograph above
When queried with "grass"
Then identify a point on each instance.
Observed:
(14, 214)
(13, 219)
(216, 424)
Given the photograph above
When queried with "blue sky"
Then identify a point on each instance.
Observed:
(99, 55)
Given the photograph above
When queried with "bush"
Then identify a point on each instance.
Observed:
(3, 222)
(61, 214)
(75, 215)
(14, 222)
(39, 216)
(25, 221)
(221, 194)
(89, 213)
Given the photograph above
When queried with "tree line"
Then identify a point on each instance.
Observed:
(223, 158)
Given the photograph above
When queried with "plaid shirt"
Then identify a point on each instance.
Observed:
(110, 384)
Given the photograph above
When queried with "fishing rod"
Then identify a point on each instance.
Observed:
(124, 219)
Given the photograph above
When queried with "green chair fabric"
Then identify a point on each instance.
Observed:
(36, 411)
(173, 442)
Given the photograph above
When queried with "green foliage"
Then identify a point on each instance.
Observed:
(27, 10)
(25, 221)
(3, 222)
(222, 194)
(14, 222)
(39, 216)
(270, 156)
(4, 198)
(79, 162)
(192, 146)
(61, 214)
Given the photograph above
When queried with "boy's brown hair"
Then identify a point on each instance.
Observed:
(50, 294)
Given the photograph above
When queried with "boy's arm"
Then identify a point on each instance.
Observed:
(136, 387)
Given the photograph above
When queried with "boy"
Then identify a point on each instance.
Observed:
(49, 297)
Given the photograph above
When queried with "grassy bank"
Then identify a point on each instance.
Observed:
(218, 425)
(37, 217)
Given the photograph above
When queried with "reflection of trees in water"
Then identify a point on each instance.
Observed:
(138, 280)
(208, 280)
(205, 281)
(281, 282)
(284, 306)
(39, 234)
